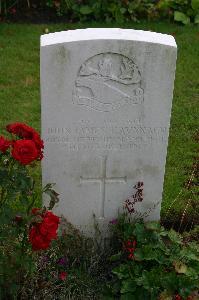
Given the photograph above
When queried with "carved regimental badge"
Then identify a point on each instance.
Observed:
(106, 82)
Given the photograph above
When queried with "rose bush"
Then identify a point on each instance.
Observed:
(24, 230)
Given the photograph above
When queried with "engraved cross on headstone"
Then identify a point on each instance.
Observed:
(103, 180)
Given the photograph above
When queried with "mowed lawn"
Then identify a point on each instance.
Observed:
(20, 96)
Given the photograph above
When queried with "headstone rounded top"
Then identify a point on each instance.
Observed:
(107, 34)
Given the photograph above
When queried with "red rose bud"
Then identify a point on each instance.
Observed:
(18, 218)
(63, 275)
(35, 211)
(4, 144)
(24, 151)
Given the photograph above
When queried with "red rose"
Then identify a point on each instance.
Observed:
(41, 234)
(63, 275)
(26, 132)
(22, 130)
(48, 227)
(4, 144)
(24, 151)
(39, 144)
(37, 240)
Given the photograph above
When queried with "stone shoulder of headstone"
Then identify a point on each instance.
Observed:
(106, 105)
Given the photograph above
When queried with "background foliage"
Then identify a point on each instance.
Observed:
(184, 11)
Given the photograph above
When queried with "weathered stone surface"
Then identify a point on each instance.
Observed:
(106, 105)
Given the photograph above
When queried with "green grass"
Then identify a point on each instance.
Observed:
(20, 93)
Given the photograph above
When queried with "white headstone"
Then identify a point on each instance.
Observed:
(106, 105)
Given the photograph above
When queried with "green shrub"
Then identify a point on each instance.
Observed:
(152, 263)
(101, 10)
(184, 11)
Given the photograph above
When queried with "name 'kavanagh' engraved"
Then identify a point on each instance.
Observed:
(108, 81)
(110, 138)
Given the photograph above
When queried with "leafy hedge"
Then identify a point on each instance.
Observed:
(184, 11)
